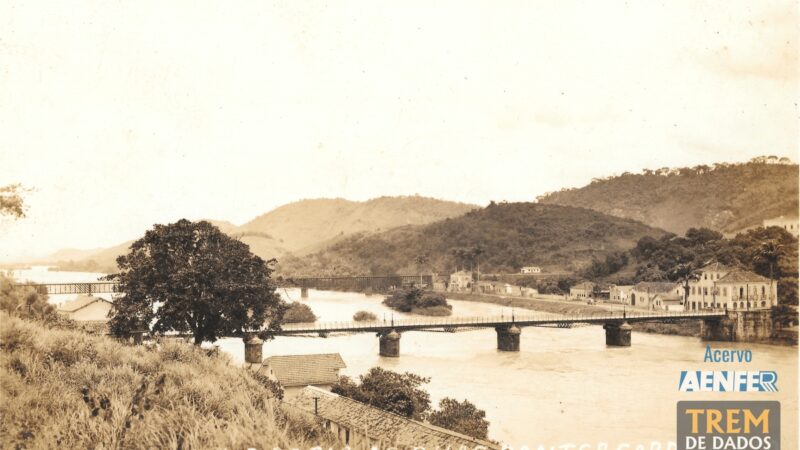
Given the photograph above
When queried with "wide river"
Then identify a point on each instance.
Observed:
(563, 387)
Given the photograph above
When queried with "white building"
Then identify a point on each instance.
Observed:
(720, 286)
(460, 281)
(620, 294)
(531, 269)
(658, 295)
(789, 224)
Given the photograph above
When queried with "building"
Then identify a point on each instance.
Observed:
(295, 372)
(582, 291)
(362, 427)
(460, 281)
(720, 286)
(531, 269)
(652, 294)
(86, 308)
(789, 224)
(620, 294)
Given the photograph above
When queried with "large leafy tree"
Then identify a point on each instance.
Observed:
(390, 391)
(11, 201)
(189, 277)
(461, 417)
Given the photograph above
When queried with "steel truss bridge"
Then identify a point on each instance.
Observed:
(358, 283)
(525, 320)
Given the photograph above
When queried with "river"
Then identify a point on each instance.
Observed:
(563, 387)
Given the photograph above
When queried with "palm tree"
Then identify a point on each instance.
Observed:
(421, 261)
(769, 252)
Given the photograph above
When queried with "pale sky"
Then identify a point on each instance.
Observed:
(123, 114)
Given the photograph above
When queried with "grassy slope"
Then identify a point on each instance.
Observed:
(512, 234)
(727, 198)
(66, 389)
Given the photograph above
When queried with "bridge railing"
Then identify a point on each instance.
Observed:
(473, 321)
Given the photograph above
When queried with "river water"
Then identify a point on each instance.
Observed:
(563, 387)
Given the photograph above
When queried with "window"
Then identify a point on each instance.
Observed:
(763, 290)
(724, 292)
(705, 276)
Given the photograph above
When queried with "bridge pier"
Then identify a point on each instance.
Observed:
(303, 292)
(253, 348)
(508, 338)
(739, 326)
(390, 344)
(618, 334)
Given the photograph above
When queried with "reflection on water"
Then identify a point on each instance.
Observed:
(564, 386)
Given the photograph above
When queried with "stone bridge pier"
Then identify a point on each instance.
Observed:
(618, 334)
(739, 326)
(389, 344)
(508, 338)
(303, 292)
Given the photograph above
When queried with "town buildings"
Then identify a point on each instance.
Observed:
(295, 372)
(657, 295)
(460, 281)
(790, 224)
(531, 269)
(86, 308)
(620, 294)
(362, 427)
(582, 291)
(720, 286)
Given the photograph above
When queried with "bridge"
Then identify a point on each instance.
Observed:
(355, 284)
(508, 328)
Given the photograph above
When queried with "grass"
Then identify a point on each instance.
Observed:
(68, 389)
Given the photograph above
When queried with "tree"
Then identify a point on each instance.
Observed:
(770, 253)
(685, 272)
(189, 277)
(11, 202)
(297, 312)
(421, 261)
(389, 391)
(461, 417)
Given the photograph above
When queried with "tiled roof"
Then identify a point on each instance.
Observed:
(743, 276)
(584, 285)
(304, 370)
(382, 425)
(655, 287)
(80, 302)
(716, 266)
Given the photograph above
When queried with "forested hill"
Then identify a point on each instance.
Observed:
(508, 236)
(723, 197)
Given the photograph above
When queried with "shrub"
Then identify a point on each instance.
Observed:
(299, 313)
(102, 394)
(364, 316)
(415, 300)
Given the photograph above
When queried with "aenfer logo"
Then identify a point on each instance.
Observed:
(728, 381)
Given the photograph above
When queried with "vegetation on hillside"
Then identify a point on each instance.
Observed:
(403, 394)
(508, 235)
(724, 197)
(67, 389)
(416, 301)
(297, 312)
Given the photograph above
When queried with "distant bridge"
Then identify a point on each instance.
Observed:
(508, 328)
(355, 283)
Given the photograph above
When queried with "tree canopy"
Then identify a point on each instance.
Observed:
(11, 202)
(461, 417)
(189, 277)
(390, 391)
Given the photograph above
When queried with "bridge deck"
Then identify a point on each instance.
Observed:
(527, 320)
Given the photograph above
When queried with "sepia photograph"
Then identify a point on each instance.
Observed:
(367, 225)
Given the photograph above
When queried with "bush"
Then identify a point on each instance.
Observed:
(415, 300)
(299, 313)
(100, 393)
(364, 316)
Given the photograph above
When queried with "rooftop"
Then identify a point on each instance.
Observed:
(655, 287)
(716, 266)
(304, 370)
(382, 425)
(743, 276)
(81, 302)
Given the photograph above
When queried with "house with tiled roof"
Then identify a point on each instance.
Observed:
(86, 308)
(295, 372)
(655, 295)
(581, 291)
(723, 287)
(361, 426)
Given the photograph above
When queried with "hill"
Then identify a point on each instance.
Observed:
(510, 235)
(296, 228)
(723, 197)
(66, 389)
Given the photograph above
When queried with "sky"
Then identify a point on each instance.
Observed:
(118, 115)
